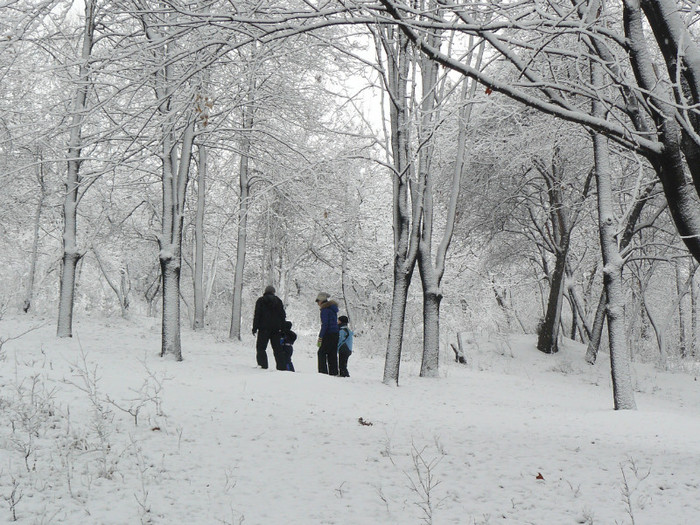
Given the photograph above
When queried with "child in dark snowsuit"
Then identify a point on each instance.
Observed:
(286, 341)
(344, 345)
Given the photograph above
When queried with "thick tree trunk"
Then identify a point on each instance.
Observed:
(170, 342)
(199, 240)
(431, 324)
(548, 337)
(392, 362)
(175, 177)
(67, 291)
(71, 254)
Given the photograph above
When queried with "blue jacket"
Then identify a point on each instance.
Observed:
(329, 318)
(345, 337)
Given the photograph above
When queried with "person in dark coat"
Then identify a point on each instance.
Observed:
(328, 336)
(288, 336)
(267, 323)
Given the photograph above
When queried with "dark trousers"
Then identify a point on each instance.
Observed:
(343, 356)
(273, 336)
(328, 355)
(286, 352)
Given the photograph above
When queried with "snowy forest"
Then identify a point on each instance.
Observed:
(449, 172)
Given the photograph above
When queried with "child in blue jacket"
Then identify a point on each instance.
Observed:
(344, 345)
(286, 346)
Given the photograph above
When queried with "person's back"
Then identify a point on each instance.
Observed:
(267, 323)
(287, 343)
(269, 311)
(344, 345)
(328, 335)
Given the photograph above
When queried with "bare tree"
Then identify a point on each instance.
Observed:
(394, 45)
(71, 252)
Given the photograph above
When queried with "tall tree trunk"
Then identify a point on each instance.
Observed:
(199, 239)
(71, 254)
(623, 391)
(29, 290)
(681, 313)
(243, 204)
(177, 143)
(175, 177)
(396, 50)
(430, 279)
(432, 273)
(548, 336)
(693, 317)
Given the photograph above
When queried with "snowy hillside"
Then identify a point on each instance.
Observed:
(99, 430)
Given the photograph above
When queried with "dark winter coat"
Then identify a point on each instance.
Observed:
(269, 313)
(329, 318)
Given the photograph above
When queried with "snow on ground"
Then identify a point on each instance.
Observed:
(100, 430)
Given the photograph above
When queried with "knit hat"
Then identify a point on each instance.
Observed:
(287, 325)
(322, 297)
(343, 319)
(269, 289)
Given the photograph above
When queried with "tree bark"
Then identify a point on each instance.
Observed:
(406, 219)
(693, 317)
(392, 361)
(623, 391)
(597, 330)
(175, 177)
(29, 291)
(432, 273)
(71, 254)
(681, 313)
(241, 244)
(198, 323)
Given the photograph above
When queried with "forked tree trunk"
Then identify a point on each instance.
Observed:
(623, 391)
(241, 244)
(175, 177)
(432, 273)
(406, 218)
(548, 337)
(71, 254)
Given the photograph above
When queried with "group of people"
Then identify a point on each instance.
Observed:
(271, 326)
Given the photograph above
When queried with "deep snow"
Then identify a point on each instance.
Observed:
(515, 436)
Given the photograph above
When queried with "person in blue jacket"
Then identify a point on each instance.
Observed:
(287, 338)
(328, 336)
(344, 345)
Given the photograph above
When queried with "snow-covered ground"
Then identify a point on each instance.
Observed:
(100, 430)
